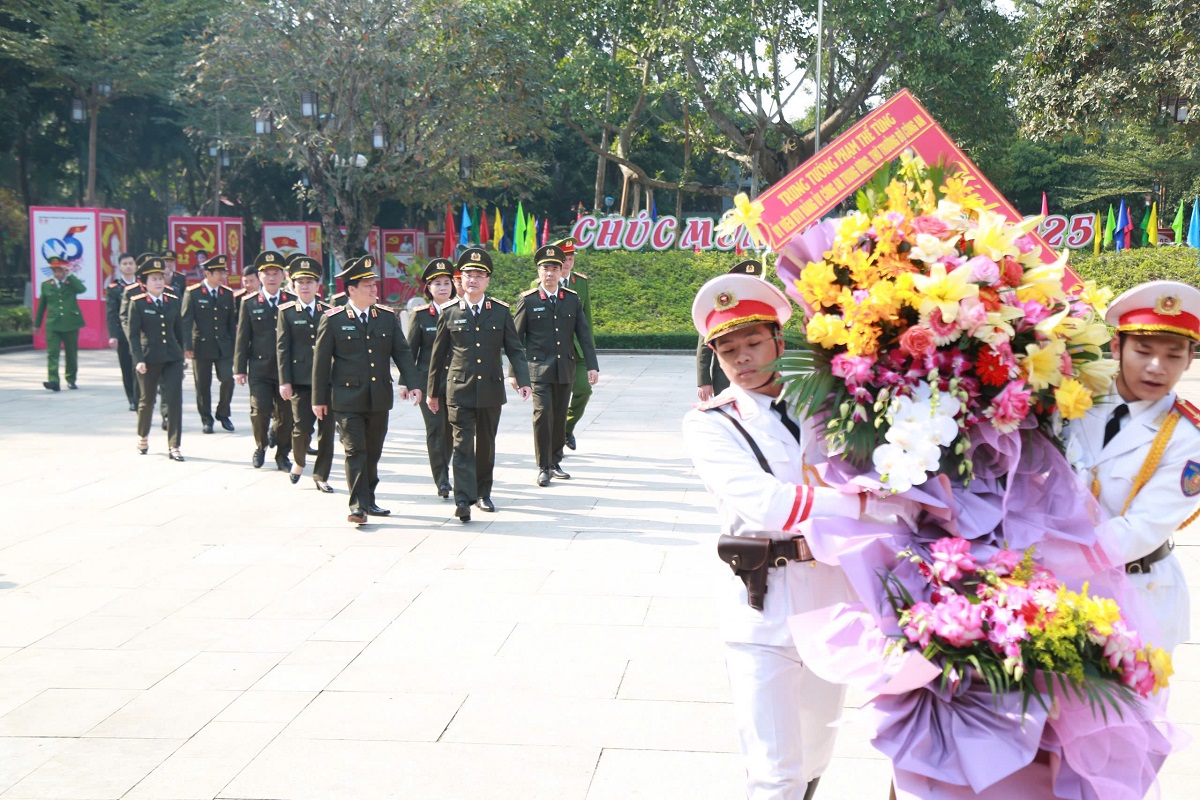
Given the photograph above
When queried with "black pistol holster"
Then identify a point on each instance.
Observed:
(749, 558)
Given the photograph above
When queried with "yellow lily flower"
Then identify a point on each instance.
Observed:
(1041, 364)
(943, 291)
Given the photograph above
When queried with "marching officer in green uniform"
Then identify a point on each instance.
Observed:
(466, 373)
(710, 378)
(59, 308)
(155, 333)
(581, 391)
(250, 287)
(296, 337)
(130, 292)
(209, 328)
(257, 363)
(176, 281)
(439, 290)
(113, 293)
(352, 379)
(551, 324)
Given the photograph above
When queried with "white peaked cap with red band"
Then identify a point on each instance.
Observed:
(1157, 307)
(734, 301)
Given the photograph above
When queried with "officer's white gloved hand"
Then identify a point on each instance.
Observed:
(884, 508)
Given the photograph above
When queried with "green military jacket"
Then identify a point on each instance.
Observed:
(254, 352)
(548, 329)
(295, 339)
(209, 322)
(114, 294)
(58, 307)
(130, 291)
(352, 371)
(177, 285)
(155, 332)
(708, 369)
(422, 329)
(465, 366)
(579, 283)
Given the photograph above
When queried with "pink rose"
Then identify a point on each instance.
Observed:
(952, 558)
(931, 225)
(1004, 562)
(1009, 407)
(917, 341)
(958, 621)
(984, 270)
(1025, 243)
(854, 370)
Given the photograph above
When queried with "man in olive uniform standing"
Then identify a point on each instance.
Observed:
(296, 337)
(176, 280)
(155, 332)
(113, 293)
(255, 356)
(465, 372)
(58, 306)
(439, 290)
(209, 328)
(353, 379)
(551, 324)
(581, 391)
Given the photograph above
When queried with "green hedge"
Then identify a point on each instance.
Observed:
(16, 318)
(15, 338)
(1128, 268)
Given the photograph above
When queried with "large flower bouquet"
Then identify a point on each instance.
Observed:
(943, 353)
(1019, 628)
(926, 314)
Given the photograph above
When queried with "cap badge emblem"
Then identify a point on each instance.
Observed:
(724, 301)
(1168, 306)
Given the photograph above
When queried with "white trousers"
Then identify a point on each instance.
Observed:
(783, 714)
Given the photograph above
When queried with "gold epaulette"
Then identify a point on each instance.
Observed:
(287, 305)
(528, 292)
(335, 310)
(566, 289)
(1188, 411)
(388, 309)
(130, 286)
(580, 275)
(170, 295)
(499, 302)
(194, 287)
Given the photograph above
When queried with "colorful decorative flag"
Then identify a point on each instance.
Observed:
(1045, 206)
(450, 242)
(1124, 228)
(1110, 227)
(1142, 229)
(485, 235)
(499, 231)
(1177, 225)
(465, 227)
(531, 235)
(1193, 238)
(1097, 235)
(653, 209)
(545, 231)
(1152, 226)
(518, 240)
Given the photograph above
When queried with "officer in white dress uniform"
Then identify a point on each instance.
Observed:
(1139, 448)
(783, 710)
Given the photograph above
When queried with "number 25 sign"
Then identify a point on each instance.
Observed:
(1075, 232)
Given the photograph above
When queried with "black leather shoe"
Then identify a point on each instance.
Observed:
(175, 455)
(312, 451)
(226, 424)
(283, 463)
(557, 472)
(357, 516)
(71, 385)
(133, 405)
(259, 457)
(570, 441)
(208, 427)
(54, 387)
(543, 478)
(485, 504)
(463, 511)
(323, 486)
(294, 477)
(444, 490)
(376, 511)
(270, 440)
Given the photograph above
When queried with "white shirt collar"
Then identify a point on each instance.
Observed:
(355, 309)
(270, 297)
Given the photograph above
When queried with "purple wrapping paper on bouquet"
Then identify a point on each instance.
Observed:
(964, 743)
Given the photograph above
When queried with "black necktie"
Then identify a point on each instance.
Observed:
(551, 298)
(475, 309)
(362, 317)
(1114, 422)
(158, 303)
(780, 408)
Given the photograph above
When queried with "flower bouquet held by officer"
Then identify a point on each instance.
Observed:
(155, 333)
(550, 321)
(352, 379)
(439, 290)
(255, 354)
(296, 338)
(209, 329)
(1139, 447)
(113, 292)
(467, 375)
(58, 306)
(756, 461)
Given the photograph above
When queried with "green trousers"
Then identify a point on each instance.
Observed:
(581, 392)
(69, 341)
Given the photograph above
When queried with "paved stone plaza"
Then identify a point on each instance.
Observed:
(207, 630)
